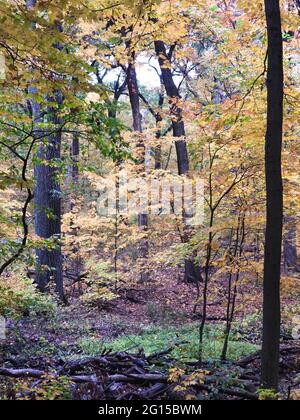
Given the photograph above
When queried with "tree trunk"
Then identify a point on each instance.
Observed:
(158, 120)
(133, 91)
(77, 263)
(74, 157)
(47, 196)
(192, 273)
(176, 111)
(273, 238)
(290, 258)
(48, 210)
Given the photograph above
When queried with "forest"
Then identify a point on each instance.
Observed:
(149, 238)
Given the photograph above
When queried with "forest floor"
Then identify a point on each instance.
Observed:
(154, 318)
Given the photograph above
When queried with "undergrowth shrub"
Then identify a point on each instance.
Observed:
(91, 345)
(100, 281)
(19, 296)
(50, 388)
(184, 342)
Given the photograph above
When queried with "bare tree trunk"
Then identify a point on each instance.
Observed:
(273, 240)
(158, 120)
(77, 262)
(290, 259)
(192, 273)
(133, 91)
(176, 111)
(74, 150)
(47, 200)
(233, 283)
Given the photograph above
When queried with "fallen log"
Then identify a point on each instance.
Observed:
(138, 378)
(34, 373)
(252, 357)
(159, 354)
(84, 378)
(230, 391)
(73, 365)
(240, 393)
(21, 373)
(160, 382)
(154, 391)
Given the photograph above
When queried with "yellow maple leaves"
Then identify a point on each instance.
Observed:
(185, 382)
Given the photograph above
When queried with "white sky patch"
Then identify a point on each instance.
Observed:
(147, 70)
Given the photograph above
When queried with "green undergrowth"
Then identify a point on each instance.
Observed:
(184, 341)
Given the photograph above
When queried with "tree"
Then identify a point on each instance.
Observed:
(47, 195)
(274, 190)
(176, 111)
(192, 273)
(133, 91)
(48, 209)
